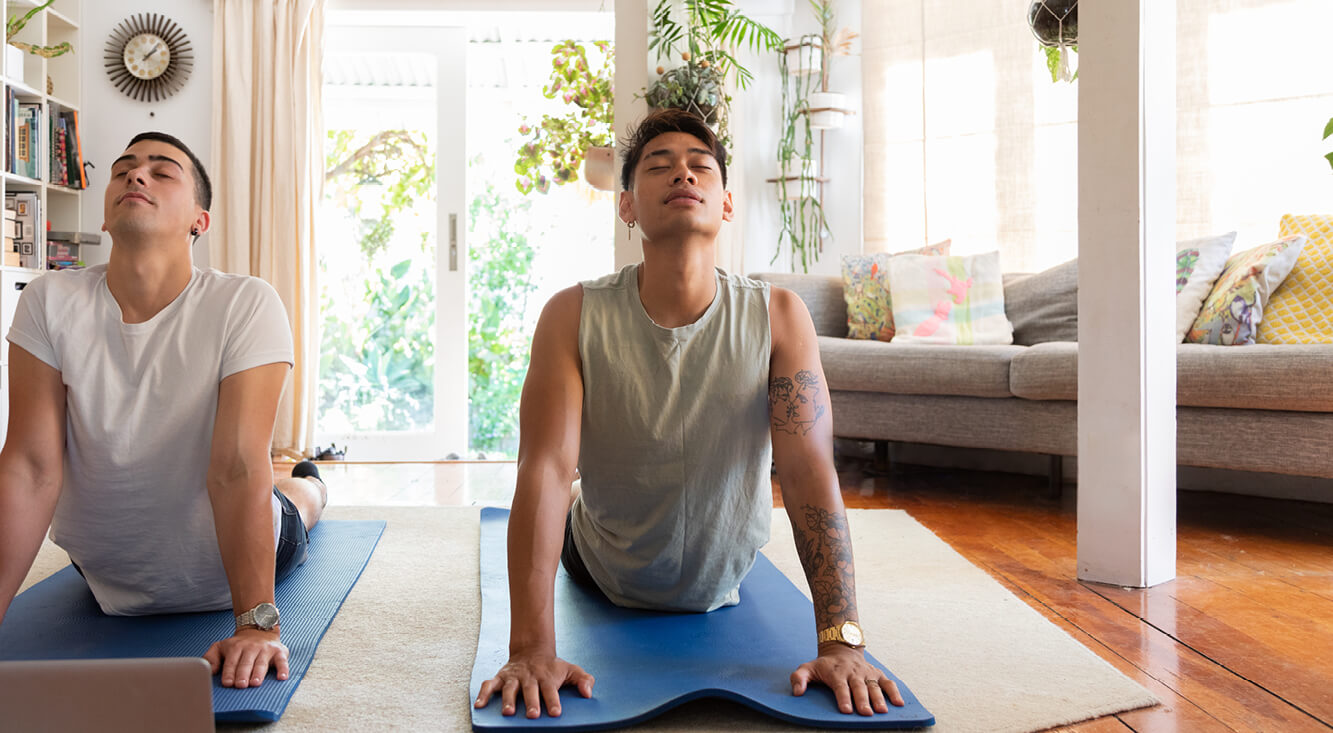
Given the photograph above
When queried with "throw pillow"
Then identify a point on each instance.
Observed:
(949, 300)
(1233, 309)
(865, 286)
(1198, 264)
(1301, 311)
(1044, 307)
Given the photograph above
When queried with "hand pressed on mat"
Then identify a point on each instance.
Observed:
(853, 680)
(539, 676)
(244, 658)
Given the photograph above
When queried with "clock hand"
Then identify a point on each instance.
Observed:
(150, 53)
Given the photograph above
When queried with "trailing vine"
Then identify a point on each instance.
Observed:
(804, 226)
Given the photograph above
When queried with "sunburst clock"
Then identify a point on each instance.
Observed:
(148, 57)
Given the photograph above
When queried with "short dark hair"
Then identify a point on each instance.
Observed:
(203, 188)
(660, 122)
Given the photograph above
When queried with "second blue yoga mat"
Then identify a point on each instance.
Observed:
(647, 662)
(58, 618)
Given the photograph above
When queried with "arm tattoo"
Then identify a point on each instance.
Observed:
(796, 407)
(825, 547)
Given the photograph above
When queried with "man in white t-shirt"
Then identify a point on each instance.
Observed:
(143, 394)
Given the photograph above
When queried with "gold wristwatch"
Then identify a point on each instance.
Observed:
(848, 632)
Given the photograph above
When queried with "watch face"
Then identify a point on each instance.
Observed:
(851, 633)
(147, 56)
(266, 615)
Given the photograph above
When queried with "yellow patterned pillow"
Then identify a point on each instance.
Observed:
(1301, 311)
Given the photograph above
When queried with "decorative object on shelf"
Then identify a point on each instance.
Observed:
(557, 146)
(1055, 25)
(15, 23)
(148, 57)
(599, 168)
(808, 105)
(705, 41)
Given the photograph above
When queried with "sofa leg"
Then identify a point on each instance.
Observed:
(882, 455)
(1056, 477)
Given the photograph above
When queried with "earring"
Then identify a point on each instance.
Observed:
(629, 234)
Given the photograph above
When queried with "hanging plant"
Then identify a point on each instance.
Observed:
(711, 31)
(1055, 25)
(801, 210)
(555, 147)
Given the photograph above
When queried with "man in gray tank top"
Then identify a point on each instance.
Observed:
(668, 388)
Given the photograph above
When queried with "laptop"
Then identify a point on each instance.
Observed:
(107, 695)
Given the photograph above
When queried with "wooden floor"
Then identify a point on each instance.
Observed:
(1242, 640)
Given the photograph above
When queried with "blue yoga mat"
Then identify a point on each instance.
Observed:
(58, 618)
(647, 662)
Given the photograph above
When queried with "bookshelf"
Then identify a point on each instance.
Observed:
(59, 205)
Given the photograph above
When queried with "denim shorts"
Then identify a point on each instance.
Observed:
(293, 539)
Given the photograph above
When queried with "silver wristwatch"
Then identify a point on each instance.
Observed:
(264, 617)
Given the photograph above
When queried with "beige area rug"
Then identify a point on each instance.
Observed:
(399, 654)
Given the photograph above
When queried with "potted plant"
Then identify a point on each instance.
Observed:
(705, 41)
(13, 26)
(558, 145)
(1055, 25)
(826, 108)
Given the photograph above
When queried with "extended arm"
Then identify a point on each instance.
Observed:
(550, 414)
(802, 430)
(31, 466)
(240, 489)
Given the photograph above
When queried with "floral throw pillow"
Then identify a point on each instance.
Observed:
(949, 300)
(1230, 315)
(865, 286)
(1199, 262)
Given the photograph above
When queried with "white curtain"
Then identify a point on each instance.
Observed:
(269, 162)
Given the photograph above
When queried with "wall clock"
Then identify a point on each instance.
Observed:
(148, 57)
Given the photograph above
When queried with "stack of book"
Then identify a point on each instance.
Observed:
(66, 151)
(11, 253)
(62, 248)
(22, 123)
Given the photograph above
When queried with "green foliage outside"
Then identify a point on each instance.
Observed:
(500, 281)
(377, 356)
(1328, 131)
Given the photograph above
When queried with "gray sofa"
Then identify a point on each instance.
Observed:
(1253, 408)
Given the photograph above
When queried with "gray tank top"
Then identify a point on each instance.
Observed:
(675, 453)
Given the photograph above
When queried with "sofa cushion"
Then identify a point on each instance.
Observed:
(949, 300)
(865, 286)
(1294, 377)
(874, 366)
(1233, 310)
(1044, 307)
(822, 295)
(1301, 311)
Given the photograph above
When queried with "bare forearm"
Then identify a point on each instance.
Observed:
(536, 537)
(27, 503)
(243, 518)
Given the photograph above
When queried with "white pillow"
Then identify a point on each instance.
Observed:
(949, 300)
(1198, 263)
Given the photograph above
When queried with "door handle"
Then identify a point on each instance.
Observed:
(453, 242)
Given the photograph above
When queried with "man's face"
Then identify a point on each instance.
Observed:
(677, 189)
(151, 192)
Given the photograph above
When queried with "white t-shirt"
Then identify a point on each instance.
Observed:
(140, 401)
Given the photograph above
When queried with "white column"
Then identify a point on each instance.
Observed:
(631, 78)
(1127, 351)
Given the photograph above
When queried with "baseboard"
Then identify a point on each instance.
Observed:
(1188, 478)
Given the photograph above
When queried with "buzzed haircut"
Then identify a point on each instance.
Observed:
(660, 122)
(203, 187)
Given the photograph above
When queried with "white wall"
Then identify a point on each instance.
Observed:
(110, 118)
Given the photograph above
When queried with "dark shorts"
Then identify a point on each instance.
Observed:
(293, 539)
(569, 557)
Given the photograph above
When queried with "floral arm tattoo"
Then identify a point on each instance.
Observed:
(796, 407)
(825, 548)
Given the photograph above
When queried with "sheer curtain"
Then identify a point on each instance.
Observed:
(268, 162)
